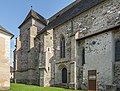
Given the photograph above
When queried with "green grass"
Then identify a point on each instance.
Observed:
(23, 87)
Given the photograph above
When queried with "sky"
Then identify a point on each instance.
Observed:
(13, 12)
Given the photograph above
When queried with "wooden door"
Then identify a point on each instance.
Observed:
(92, 80)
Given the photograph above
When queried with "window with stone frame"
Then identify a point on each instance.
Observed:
(117, 50)
(62, 47)
(83, 56)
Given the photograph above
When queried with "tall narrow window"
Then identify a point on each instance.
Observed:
(117, 50)
(83, 56)
(39, 47)
(62, 47)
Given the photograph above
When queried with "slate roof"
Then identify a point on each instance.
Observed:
(6, 31)
(77, 9)
(63, 10)
(35, 15)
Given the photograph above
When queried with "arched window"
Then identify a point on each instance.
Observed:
(62, 47)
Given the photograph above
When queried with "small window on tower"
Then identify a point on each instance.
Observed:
(83, 56)
(48, 49)
(51, 38)
(39, 47)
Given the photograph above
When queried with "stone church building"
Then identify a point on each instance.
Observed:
(78, 47)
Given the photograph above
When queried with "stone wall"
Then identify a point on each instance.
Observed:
(63, 30)
(97, 19)
(49, 57)
(40, 58)
(69, 61)
(31, 56)
(99, 56)
(117, 74)
(22, 48)
(44, 43)
(4, 61)
(17, 53)
(79, 60)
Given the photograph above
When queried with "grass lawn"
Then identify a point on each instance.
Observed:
(23, 87)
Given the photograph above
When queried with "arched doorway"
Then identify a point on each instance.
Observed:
(64, 75)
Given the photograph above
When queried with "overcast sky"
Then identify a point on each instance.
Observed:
(13, 12)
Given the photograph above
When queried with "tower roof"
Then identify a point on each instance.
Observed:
(35, 15)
